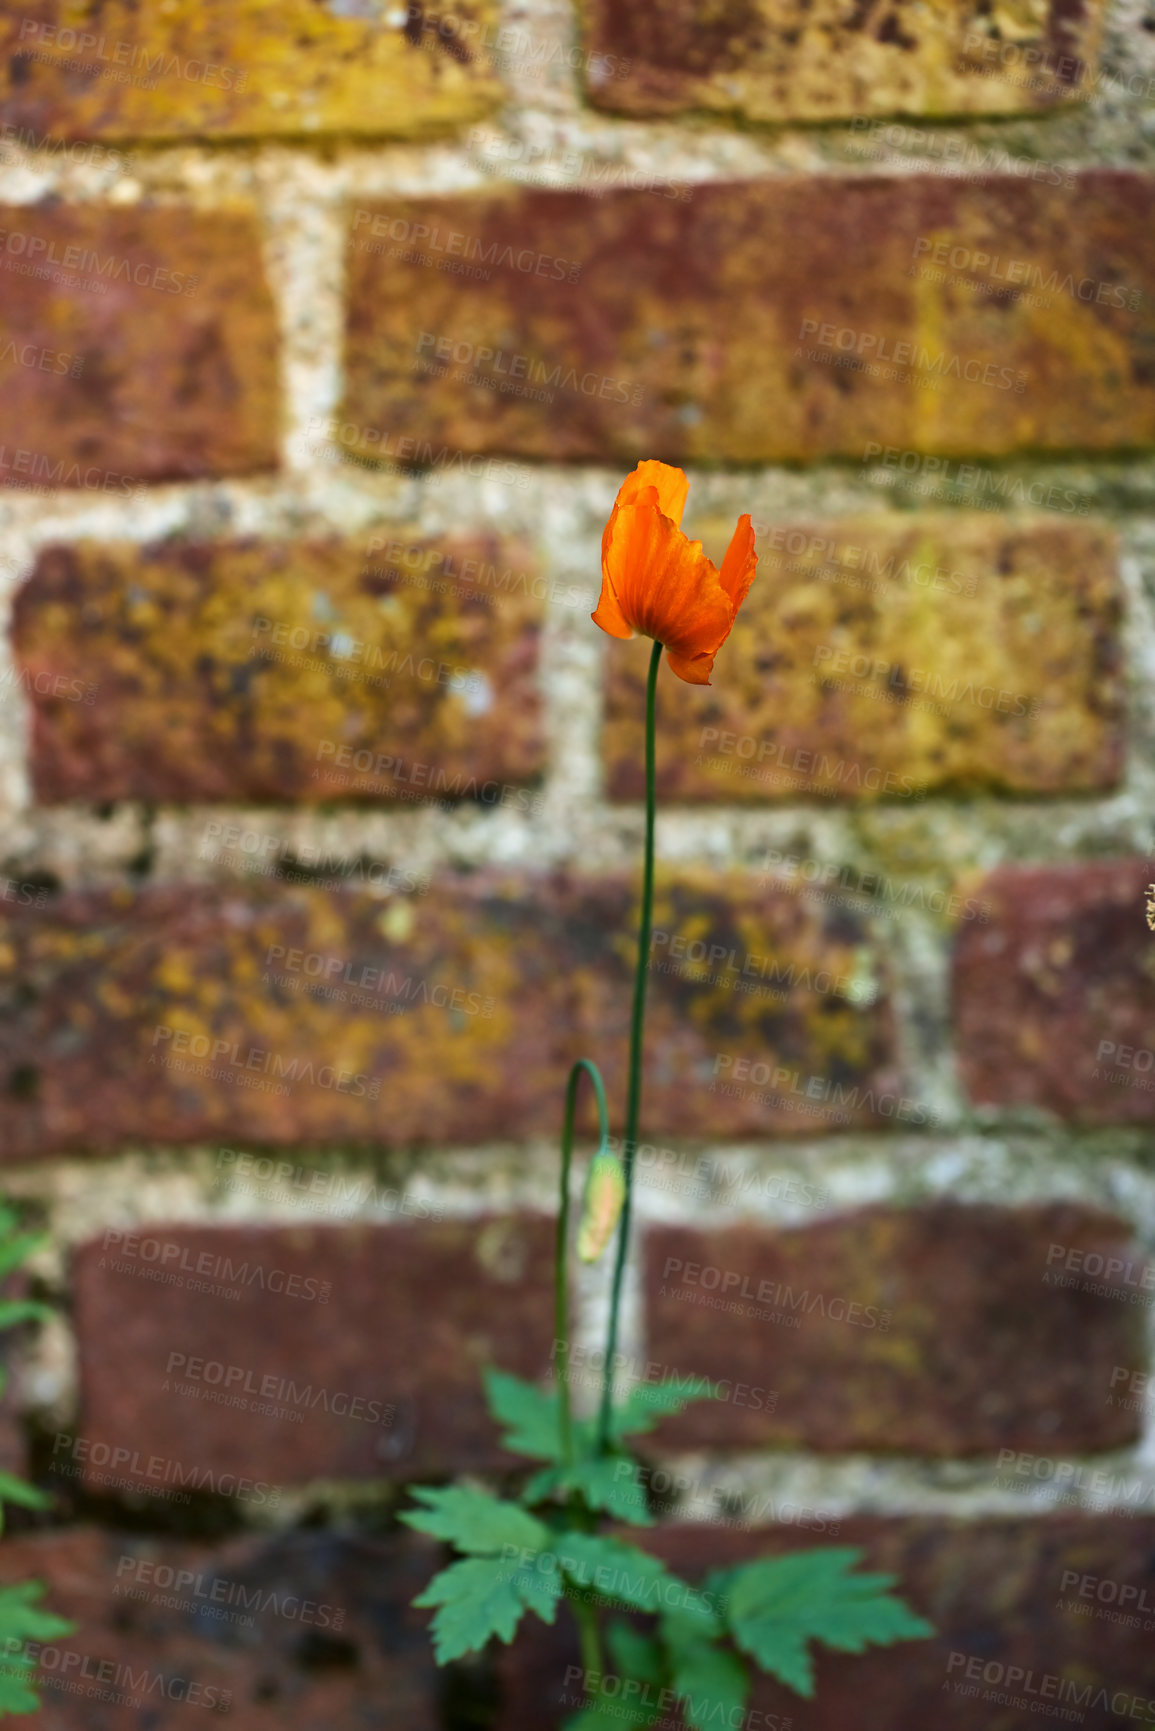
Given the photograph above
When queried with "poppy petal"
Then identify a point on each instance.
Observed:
(694, 669)
(740, 564)
(664, 585)
(608, 614)
(669, 483)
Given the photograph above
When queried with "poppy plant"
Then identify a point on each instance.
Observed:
(658, 582)
(525, 1557)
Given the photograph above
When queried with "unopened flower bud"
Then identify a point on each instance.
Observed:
(601, 1205)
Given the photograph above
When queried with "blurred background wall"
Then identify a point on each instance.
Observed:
(327, 335)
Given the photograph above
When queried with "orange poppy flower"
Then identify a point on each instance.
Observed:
(657, 581)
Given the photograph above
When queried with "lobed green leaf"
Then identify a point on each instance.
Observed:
(648, 1403)
(474, 1521)
(610, 1483)
(481, 1597)
(529, 1414)
(22, 1619)
(776, 1606)
(712, 1683)
(612, 1570)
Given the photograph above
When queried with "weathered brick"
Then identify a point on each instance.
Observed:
(157, 347)
(765, 1013)
(297, 1016)
(285, 1354)
(877, 658)
(264, 670)
(1054, 1000)
(719, 328)
(768, 61)
(998, 1592)
(934, 1330)
(301, 1631)
(286, 1017)
(249, 70)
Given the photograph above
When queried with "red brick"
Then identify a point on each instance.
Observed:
(477, 999)
(262, 1641)
(959, 1343)
(685, 335)
(352, 1351)
(992, 1589)
(201, 671)
(945, 652)
(770, 61)
(177, 353)
(1054, 999)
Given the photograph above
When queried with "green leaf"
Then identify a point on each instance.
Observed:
(16, 1491)
(474, 1521)
(616, 1571)
(712, 1683)
(635, 1655)
(543, 1485)
(696, 1619)
(649, 1402)
(15, 1696)
(481, 1597)
(23, 1310)
(530, 1416)
(610, 1483)
(776, 1606)
(636, 1658)
(612, 1715)
(539, 1588)
(21, 1620)
(14, 1251)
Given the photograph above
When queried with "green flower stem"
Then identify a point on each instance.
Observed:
(591, 1640)
(560, 1273)
(634, 1096)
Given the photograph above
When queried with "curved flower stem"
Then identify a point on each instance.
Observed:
(560, 1286)
(637, 1023)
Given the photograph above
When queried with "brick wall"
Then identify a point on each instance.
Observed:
(327, 335)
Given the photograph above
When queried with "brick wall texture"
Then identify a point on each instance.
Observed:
(327, 333)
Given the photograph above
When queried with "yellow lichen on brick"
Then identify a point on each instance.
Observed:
(813, 60)
(252, 68)
(310, 670)
(884, 659)
(766, 975)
